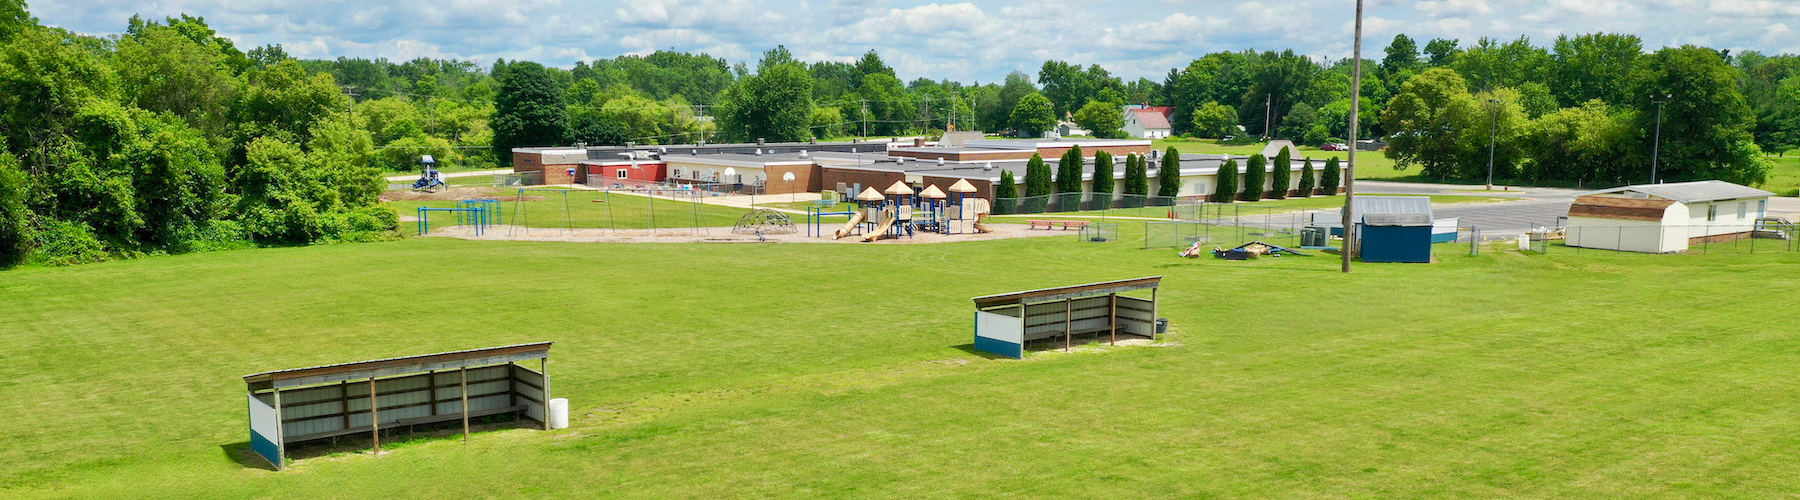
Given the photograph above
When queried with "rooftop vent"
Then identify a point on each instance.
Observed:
(940, 162)
(759, 141)
(802, 153)
(988, 166)
(759, 150)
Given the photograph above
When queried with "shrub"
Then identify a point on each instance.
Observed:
(1306, 179)
(1328, 180)
(66, 243)
(1102, 185)
(1227, 189)
(1168, 178)
(1252, 187)
(1279, 176)
(1137, 179)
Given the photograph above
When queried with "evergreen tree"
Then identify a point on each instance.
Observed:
(1137, 179)
(1278, 178)
(1227, 189)
(1168, 178)
(1006, 194)
(1328, 180)
(1306, 179)
(1068, 179)
(528, 110)
(1102, 186)
(1037, 185)
(1254, 171)
(1007, 188)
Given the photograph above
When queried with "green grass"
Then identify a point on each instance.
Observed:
(1784, 176)
(585, 210)
(837, 371)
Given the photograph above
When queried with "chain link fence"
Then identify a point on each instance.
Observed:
(1100, 205)
(1762, 236)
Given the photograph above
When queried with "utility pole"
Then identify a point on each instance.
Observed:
(865, 120)
(1268, 109)
(1350, 172)
(1491, 131)
(1656, 147)
(350, 90)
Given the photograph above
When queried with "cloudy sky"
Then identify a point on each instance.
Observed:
(980, 41)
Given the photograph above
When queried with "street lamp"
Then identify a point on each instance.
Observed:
(1656, 147)
(1492, 128)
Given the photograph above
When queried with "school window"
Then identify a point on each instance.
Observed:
(1712, 213)
(621, 173)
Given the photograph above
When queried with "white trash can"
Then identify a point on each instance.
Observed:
(559, 413)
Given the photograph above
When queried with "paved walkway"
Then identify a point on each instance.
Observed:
(1387, 187)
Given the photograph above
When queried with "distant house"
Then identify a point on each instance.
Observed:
(1148, 122)
(1665, 218)
(1067, 128)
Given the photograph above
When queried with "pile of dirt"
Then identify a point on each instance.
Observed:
(456, 194)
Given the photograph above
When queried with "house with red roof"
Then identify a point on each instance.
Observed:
(1144, 121)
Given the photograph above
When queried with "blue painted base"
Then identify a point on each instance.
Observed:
(1000, 347)
(266, 448)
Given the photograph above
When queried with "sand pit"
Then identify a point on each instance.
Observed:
(724, 235)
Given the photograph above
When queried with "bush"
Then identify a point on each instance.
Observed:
(1280, 175)
(1168, 178)
(65, 243)
(1329, 179)
(1306, 179)
(1252, 188)
(1102, 185)
(1227, 189)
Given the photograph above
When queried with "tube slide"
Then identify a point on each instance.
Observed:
(849, 227)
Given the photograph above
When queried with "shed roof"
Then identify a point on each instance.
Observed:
(1402, 220)
(1067, 292)
(1691, 192)
(1613, 207)
(396, 366)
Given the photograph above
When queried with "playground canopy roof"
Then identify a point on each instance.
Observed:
(899, 188)
(962, 186)
(1067, 292)
(870, 194)
(932, 192)
(395, 366)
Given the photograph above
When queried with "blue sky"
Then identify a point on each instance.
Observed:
(979, 41)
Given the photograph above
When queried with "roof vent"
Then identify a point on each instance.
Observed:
(630, 144)
(988, 166)
(696, 151)
(900, 159)
(940, 162)
(759, 150)
(852, 150)
(759, 141)
(802, 153)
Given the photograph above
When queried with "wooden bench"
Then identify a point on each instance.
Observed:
(1057, 224)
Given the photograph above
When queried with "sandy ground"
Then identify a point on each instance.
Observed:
(723, 235)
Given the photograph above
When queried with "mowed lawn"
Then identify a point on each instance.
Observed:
(808, 371)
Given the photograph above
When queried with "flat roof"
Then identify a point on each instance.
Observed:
(1067, 292)
(396, 366)
(1691, 192)
(740, 159)
(1052, 143)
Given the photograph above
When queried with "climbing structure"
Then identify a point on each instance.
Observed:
(764, 221)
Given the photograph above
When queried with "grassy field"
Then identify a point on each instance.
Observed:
(834, 371)
(1784, 177)
(585, 210)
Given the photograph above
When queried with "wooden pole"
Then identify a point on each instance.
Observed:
(1068, 318)
(544, 369)
(1112, 318)
(465, 403)
(280, 434)
(1153, 318)
(374, 417)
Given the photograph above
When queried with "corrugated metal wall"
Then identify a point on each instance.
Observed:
(328, 410)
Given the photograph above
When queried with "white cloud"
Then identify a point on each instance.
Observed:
(960, 40)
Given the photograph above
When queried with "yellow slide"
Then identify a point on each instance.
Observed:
(881, 230)
(849, 227)
(978, 226)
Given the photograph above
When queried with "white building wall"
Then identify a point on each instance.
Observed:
(1668, 235)
(1732, 216)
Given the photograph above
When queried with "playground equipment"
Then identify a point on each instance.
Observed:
(428, 175)
(493, 212)
(764, 221)
(868, 204)
(928, 210)
(479, 216)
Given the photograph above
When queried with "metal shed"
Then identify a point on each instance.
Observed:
(321, 402)
(1396, 237)
(1004, 323)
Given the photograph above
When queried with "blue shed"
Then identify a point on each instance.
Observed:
(1395, 237)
